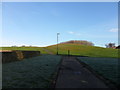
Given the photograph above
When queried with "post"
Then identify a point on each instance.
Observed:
(68, 52)
(57, 43)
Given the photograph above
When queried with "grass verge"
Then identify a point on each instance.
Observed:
(41, 49)
(107, 67)
(30, 73)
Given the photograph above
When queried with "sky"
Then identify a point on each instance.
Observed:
(37, 23)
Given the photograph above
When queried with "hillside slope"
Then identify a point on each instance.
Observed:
(83, 50)
(75, 49)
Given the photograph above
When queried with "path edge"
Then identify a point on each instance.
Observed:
(55, 75)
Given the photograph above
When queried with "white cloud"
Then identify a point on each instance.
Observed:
(11, 43)
(70, 32)
(74, 33)
(114, 30)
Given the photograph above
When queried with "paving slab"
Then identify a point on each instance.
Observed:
(73, 75)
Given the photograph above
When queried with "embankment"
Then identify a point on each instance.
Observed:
(17, 55)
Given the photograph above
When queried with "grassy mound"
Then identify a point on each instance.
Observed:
(75, 49)
(83, 50)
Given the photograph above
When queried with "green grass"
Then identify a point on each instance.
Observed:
(107, 67)
(75, 49)
(26, 48)
(30, 73)
(84, 50)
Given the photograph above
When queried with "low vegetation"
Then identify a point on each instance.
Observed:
(81, 42)
(107, 67)
(30, 73)
(37, 71)
(75, 47)
(41, 49)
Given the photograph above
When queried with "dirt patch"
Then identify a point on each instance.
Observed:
(48, 51)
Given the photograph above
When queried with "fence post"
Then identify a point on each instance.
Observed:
(68, 52)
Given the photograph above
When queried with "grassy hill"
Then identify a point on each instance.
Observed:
(75, 49)
(84, 50)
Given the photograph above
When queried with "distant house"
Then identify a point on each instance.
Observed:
(113, 47)
(118, 47)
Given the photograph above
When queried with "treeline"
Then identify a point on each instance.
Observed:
(82, 42)
(24, 46)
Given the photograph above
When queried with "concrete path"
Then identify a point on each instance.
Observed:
(49, 52)
(73, 75)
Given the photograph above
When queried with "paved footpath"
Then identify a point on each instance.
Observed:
(46, 50)
(73, 75)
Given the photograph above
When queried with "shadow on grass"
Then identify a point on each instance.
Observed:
(107, 81)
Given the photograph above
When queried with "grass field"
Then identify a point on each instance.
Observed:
(30, 73)
(26, 48)
(84, 50)
(107, 67)
(75, 49)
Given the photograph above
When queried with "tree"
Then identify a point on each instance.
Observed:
(82, 42)
(23, 45)
(118, 47)
(110, 45)
(14, 46)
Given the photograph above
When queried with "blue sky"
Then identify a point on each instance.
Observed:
(37, 23)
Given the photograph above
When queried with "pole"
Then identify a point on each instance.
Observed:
(57, 42)
(68, 52)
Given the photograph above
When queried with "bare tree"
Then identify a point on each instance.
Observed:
(82, 42)
(110, 45)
